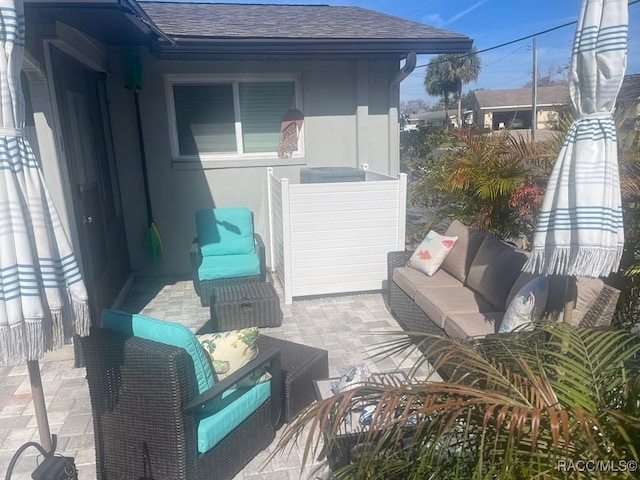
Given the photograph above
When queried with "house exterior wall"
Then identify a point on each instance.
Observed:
(42, 136)
(547, 118)
(342, 102)
(488, 119)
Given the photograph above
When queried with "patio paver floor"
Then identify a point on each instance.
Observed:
(348, 326)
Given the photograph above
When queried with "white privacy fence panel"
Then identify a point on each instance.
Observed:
(276, 230)
(334, 237)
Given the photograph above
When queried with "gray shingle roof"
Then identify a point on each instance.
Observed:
(323, 22)
(554, 95)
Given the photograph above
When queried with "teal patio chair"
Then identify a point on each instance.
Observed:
(159, 411)
(226, 250)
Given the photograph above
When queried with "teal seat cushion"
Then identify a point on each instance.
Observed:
(225, 231)
(160, 331)
(235, 406)
(229, 266)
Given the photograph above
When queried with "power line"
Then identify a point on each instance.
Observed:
(632, 2)
(505, 56)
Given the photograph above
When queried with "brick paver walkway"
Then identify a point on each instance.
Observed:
(347, 326)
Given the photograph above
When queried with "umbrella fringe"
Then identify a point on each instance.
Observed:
(80, 321)
(26, 341)
(585, 261)
(11, 340)
(22, 342)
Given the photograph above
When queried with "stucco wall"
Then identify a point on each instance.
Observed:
(329, 104)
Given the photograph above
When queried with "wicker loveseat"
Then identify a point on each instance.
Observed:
(154, 416)
(468, 295)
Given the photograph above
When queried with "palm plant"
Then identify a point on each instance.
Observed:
(526, 405)
(446, 74)
(438, 83)
(485, 181)
(629, 158)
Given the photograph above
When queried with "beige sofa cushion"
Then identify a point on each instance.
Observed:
(459, 259)
(438, 302)
(463, 325)
(588, 290)
(410, 279)
(494, 270)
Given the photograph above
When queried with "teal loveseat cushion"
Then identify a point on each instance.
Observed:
(229, 266)
(169, 333)
(225, 231)
(234, 407)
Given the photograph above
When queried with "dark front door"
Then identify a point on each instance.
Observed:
(86, 142)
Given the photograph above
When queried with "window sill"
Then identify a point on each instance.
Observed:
(236, 163)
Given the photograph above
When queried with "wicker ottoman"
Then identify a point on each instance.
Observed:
(246, 305)
(301, 365)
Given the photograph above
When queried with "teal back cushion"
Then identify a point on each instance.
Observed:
(225, 231)
(160, 331)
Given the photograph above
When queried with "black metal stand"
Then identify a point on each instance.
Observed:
(53, 467)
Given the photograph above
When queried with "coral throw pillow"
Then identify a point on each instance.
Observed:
(431, 253)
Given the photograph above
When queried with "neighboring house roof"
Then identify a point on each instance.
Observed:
(521, 97)
(295, 28)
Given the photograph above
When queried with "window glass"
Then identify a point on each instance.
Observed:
(262, 106)
(205, 118)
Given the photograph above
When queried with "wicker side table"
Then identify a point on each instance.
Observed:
(351, 433)
(246, 305)
(300, 365)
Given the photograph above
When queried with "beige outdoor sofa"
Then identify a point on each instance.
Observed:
(468, 295)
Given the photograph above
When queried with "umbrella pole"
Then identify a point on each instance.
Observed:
(38, 402)
(568, 300)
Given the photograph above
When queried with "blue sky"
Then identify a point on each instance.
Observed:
(490, 23)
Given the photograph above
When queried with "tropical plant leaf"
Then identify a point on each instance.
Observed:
(512, 407)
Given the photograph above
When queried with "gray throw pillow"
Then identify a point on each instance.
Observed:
(459, 259)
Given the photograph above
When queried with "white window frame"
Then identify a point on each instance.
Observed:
(226, 159)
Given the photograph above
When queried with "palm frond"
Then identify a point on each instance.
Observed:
(512, 407)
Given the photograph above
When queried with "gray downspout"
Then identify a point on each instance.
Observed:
(394, 132)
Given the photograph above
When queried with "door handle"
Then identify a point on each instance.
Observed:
(88, 219)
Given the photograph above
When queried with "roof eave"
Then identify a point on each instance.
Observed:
(132, 12)
(297, 46)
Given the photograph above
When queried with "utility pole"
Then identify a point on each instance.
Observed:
(534, 93)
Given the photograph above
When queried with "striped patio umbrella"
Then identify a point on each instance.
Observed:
(43, 301)
(579, 231)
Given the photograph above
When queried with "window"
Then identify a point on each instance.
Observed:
(221, 119)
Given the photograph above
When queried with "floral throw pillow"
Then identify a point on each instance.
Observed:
(431, 253)
(231, 350)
